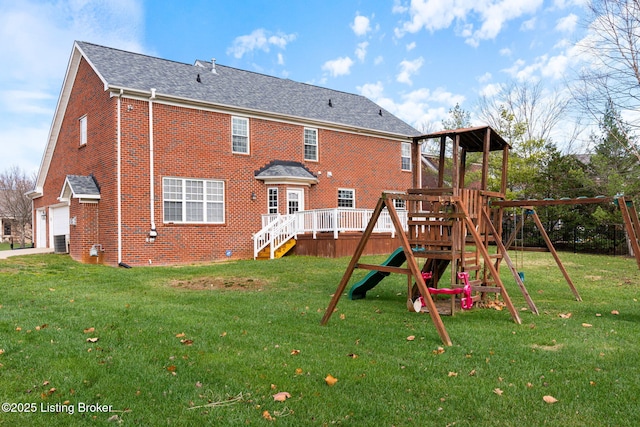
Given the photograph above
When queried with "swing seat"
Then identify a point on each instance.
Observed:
(466, 302)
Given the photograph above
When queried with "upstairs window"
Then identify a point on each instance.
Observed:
(193, 200)
(311, 144)
(406, 156)
(83, 130)
(240, 135)
(346, 198)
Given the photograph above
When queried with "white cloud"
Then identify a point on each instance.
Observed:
(361, 25)
(280, 59)
(567, 24)
(409, 69)
(379, 60)
(361, 50)
(555, 67)
(490, 90)
(505, 51)
(419, 107)
(529, 24)
(486, 77)
(372, 91)
(492, 15)
(411, 46)
(259, 39)
(338, 67)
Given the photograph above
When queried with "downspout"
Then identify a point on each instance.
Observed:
(119, 176)
(152, 233)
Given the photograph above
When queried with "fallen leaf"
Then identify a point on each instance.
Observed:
(439, 350)
(550, 399)
(498, 391)
(198, 384)
(587, 325)
(453, 374)
(615, 312)
(89, 330)
(187, 342)
(299, 371)
(342, 316)
(224, 334)
(181, 335)
(564, 315)
(330, 380)
(171, 368)
(92, 340)
(281, 397)
(351, 355)
(295, 352)
(529, 385)
(267, 416)
(411, 338)
(472, 373)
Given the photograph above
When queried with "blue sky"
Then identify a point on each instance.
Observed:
(416, 58)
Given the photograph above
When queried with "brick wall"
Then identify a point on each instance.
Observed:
(194, 143)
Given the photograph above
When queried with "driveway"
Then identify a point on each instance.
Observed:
(18, 252)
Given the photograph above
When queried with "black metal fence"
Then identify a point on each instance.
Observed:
(602, 239)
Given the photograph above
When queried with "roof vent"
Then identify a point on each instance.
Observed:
(213, 66)
(380, 112)
(330, 104)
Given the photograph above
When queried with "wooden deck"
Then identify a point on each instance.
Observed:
(324, 245)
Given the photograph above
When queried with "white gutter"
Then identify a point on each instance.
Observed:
(118, 176)
(152, 233)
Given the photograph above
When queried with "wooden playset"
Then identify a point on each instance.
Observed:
(456, 227)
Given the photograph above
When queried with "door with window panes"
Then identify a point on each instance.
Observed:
(295, 200)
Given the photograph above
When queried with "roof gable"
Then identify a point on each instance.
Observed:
(80, 187)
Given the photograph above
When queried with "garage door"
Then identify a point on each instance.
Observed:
(59, 227)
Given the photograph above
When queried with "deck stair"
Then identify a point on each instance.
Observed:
(281, 251)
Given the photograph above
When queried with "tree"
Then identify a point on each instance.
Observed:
(14, 205)
(611, 76)
(614, 170)
(458, 119)
(535, 112)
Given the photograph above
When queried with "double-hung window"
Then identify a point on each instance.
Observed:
(346, 198)
(406, 156)
(240, 135)
(193, 200)
(311, 144)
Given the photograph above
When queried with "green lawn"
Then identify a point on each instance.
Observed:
(211, 345)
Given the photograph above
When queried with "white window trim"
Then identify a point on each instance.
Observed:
(184, 200)
(277, 206)
(304, 144)
(353, 193)
(405, 145)
(83, 130)
(246, 120)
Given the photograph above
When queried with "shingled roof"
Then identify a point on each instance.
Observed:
(234, 88)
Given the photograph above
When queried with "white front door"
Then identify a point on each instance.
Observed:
(295, 200)
(41, 228)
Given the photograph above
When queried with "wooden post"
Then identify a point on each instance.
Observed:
(417, 274)
(488, 263)
(503, 250)
(355, 258)
(547, 240)
(631, 225)
(485, 160)
(443, 149)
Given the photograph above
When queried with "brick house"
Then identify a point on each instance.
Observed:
(151, 161)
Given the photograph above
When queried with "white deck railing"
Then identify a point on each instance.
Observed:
(278, 229)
